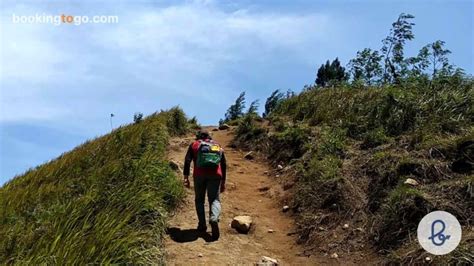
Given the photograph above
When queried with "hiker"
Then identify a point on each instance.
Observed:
(209, 175)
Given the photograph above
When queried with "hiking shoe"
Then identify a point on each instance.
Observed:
(202, 228)
(215, 230)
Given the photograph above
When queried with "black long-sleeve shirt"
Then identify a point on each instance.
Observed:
(190, 157)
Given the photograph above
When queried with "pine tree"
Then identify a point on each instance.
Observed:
(272, 102)
(253, 108)
(330, 73)
(237, 109)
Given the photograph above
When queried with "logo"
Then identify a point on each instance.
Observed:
(439, 232)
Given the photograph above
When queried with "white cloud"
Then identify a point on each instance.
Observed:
(195, 34)
(25, 54)
(197, 42)
(168, 52)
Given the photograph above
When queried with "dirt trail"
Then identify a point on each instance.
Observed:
(242, 197)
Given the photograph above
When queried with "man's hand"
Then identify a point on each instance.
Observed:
(222, 187)
(186, 181)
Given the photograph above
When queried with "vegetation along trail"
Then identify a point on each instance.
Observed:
(249, 192)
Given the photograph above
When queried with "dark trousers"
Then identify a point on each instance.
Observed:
(212, 186)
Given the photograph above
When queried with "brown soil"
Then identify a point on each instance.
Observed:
(244, 196)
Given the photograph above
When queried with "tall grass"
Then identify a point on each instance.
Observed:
(106, 201)
(395, 109)
(347, 152)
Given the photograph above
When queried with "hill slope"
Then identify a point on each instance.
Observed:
(103, 202)
(347, 154)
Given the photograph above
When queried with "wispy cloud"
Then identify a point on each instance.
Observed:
(168, 51)
(197, 42)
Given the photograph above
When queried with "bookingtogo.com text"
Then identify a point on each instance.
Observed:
(64, 19)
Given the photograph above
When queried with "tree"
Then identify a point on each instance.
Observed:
(236, 110)
(137, 117)
(330, 73)
(366, 66)
(419, 63)
(434, 55)
(253, 108)
(290, 93)
(395, 66)
(438, 58)
(272, 102)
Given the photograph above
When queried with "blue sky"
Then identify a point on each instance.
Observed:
(58, 84)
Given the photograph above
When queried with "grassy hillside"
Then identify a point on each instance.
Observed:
(348, 151)
(103, 202)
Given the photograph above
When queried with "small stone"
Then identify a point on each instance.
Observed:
(286, 208)
(231, 186)
(334, 255)
(321, 228)
(411, 182)
(428, 259)
(277, 176)
(242, 223)
(200, 255)
(345, 226)
(264, 188)
(265, 173)
(271, 231)
(224, 127)
(267, 261)
(249, 156)
(280, 167)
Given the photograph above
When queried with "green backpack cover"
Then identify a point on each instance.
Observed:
(209, 155)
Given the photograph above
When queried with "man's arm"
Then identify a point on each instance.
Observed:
(187, 164)
(223, 169)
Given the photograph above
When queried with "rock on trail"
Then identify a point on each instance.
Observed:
(242, 223)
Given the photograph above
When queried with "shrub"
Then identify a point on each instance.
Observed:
(193, 123)
(326, 168)
(400, 216)
(331, 142)
(374, 138)
(249, 134)
(177, 122)
(289, 144)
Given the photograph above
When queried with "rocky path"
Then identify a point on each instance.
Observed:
(249, 192)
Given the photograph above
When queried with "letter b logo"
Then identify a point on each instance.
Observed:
(439, 232)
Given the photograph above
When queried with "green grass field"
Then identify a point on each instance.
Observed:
(104, 202)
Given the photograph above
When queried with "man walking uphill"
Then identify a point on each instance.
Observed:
(209, 175)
